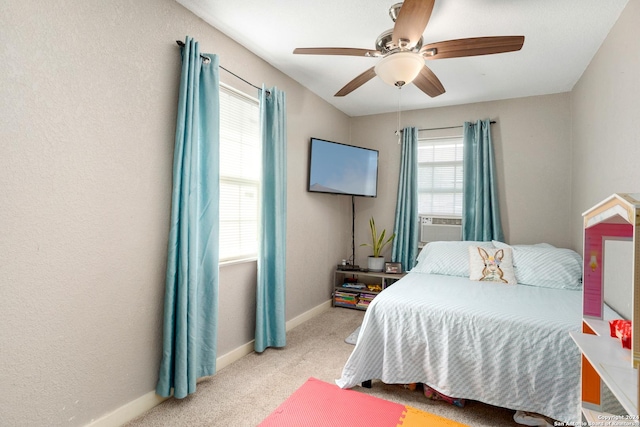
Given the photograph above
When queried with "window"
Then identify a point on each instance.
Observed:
(240, 166)
(440, 176)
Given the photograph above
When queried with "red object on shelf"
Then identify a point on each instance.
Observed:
(621, 329)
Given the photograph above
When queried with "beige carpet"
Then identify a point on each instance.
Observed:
(246, 392)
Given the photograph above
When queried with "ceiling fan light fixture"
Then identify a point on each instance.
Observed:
(399, 68)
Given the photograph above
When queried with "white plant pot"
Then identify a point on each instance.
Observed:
(376, 263)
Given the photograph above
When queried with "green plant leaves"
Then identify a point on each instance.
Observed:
(378, 243)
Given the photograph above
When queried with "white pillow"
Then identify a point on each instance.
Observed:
(498, 244)
(448, 258)
(546, 266)
(491, 265)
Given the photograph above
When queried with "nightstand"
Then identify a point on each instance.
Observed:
(356, 289)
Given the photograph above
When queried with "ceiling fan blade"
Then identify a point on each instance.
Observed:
(412, 20)
(347, 51)
(357, 82)
(472, 47)
(429, 83)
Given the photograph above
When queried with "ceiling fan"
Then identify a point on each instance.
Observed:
(403, 54)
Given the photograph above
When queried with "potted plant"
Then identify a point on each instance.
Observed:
(378, 243)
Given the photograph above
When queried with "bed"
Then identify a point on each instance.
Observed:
(505, 344)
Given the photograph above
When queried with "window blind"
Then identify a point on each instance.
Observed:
(240, 169)
(440, 176)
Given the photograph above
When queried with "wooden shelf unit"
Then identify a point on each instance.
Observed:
(369, 277)
(604, 360)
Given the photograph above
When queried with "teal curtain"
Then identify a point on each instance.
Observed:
(405, 245)
(481, 212)
(191, 288)
(270, 298)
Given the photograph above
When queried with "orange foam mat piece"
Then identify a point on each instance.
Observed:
(417, 418)
(319, 404)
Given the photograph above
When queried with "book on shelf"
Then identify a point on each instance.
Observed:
(340, 304)
(345, 298)
(346, 303)
(352, 285)
(346, 294)
(363, 304)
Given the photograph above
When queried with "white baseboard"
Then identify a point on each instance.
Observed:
(147, 401)
(234, 355)
(129, 411)
(298, 320)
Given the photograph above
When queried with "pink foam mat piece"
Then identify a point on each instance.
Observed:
(317, 403)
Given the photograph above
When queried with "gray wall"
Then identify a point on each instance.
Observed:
(532, 144)
(605, 107)
(88, 97)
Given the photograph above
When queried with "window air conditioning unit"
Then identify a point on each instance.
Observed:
(440, 228)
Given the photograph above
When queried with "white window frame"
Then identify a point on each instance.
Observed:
(245, 250)
(456, 185)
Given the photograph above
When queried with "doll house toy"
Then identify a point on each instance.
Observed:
(605, 360)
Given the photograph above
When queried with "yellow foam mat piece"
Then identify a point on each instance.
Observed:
(416, 418)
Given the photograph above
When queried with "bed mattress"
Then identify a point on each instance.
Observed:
(505, 345)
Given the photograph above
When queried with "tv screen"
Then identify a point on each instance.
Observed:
(342, 169)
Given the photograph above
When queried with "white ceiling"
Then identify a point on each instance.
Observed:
(561, 38)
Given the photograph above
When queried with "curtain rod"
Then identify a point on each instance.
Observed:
(448, 127)
(181, 44)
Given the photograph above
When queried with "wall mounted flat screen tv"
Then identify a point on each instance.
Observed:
(342, 169)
